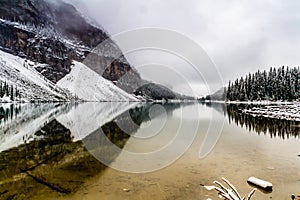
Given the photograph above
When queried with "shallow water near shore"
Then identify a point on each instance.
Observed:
(50, 151)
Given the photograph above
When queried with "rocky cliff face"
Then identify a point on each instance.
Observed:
(38, 48)
(55, 33)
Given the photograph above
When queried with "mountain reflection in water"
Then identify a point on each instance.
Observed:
(42, 146)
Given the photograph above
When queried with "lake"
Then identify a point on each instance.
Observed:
(122, 150)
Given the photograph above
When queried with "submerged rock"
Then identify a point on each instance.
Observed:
(126, 190)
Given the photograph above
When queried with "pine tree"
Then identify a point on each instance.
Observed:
(1, 90)
(269, 85)
(11, 93)
(5, 88)
(281, 84)
(242, 91)
(228, 97)
(295, 84)
(16, 93)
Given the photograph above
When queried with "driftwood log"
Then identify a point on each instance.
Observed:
(264, 185)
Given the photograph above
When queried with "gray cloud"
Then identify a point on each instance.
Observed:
(239, 36)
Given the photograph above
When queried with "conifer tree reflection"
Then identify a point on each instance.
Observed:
(281, 128)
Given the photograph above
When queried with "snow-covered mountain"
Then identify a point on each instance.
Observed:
(42, 39)
(82, 82)
(86, 84)
(55, 33)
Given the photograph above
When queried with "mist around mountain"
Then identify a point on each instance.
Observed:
(43, 42)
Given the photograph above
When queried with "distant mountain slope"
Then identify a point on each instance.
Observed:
(30, 83)
(218, 95)
(153, 91)
(88, 85)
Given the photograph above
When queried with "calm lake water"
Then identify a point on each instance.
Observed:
(147, 151)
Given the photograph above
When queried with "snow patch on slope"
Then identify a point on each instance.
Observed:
(86, 84)
(21, 73)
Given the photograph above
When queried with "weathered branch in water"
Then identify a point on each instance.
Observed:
(230, 193)
(251, 193)
(5, 191)
(52, 186)
(42, 162)
(232, 186)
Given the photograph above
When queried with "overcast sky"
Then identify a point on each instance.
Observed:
(239, 36)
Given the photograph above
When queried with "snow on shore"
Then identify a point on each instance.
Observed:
(258, 102)
(283, 111)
